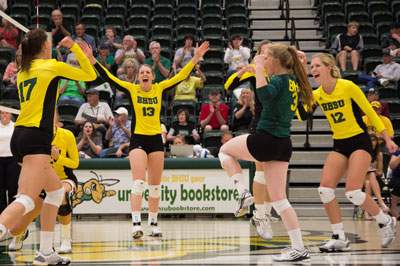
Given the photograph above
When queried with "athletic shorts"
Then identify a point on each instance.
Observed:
(30, 140)
(147, 143)
(395, 185)
(348, 146)
(71, 177)
(265, 147)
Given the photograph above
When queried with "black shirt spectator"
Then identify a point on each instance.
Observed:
(57, 28)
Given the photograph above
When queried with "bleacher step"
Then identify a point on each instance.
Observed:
(320, 141)
(276, 14)
(275, 3)
(308, 157)
(318, 210)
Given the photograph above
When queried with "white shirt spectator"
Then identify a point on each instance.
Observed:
(389, 71)
(102, 111)
(236, 56)
(130, 55)
(5, 139)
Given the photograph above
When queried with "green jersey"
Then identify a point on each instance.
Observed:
(279, 100)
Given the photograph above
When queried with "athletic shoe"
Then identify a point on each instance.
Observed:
(65, 247)
(384, 82)
(388, 232)
(272, 218)
(17, 241)
(154, 230)
(335, 245)
(137, 231)
(263, 227)
(52, 259)
(291, 254)
(244, 201)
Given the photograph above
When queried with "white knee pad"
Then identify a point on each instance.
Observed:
(25, 200)
(281, 205)
(222, 157)
(54, 197)
(155, 191)
(260, 178)
(138, 187)
(357, 197)
(326, 194)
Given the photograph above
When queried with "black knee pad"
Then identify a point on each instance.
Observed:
(64, 210)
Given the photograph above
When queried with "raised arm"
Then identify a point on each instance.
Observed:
(72, 161)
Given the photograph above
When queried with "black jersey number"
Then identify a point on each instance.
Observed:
(338, 117)
(148, 111)
(30, 83)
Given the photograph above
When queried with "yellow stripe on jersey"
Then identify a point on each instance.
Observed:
(341, 108)
(38, 88)
(146, 105)
(69, 156)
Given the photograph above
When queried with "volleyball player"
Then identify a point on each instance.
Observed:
(31, 142)
(341, 101)
(146, 148)
(271, 144)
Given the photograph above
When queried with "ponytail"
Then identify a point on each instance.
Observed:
(31, 44)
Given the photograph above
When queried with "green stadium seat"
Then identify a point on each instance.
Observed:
(374, 6)
(370, 63)
(186, 9)
(354, 6)
(371, 50)
(93, 10)
(114, 19)
(21, 9)
(369, 38)
(187, 19)
(236, 9)
(359, 16)
(138, 20)
(212, 138)
(68, 107)
(381, 16)
(116, 9)
(72, 9)
(351, 75)
(365, 27)
(7, 54)
(140, 10)
(190, 105)
(389, 92)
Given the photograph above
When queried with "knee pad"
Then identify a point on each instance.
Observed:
(54, 197)
(26, 201)
(281, 205)
(71, 183)
(260, 178)
(64, 210)
(155, 191)
(357, 197)
(137, 187)
(326, 194)
(222, 157)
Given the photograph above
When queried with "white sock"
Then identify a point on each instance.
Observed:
(152, 218)
(382, 218)
(3, 231)
(337, 229)
(66, 231)
(46, 242)
(136, 217)
(268, 207)
(295, 239)
(239, 183)
(260, 211)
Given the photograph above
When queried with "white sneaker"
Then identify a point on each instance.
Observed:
(244, 201)
(52, 259)
(394, 52)
(384, 82)
(17, 241)
(335, 245)
(137, 231)
(272, 218)
(291, 254)
(388, 232)
(65, 247)
(263, 227)
(154, 230)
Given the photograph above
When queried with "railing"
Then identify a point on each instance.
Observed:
(285, 14)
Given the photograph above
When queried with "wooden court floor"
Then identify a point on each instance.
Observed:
(206, 241)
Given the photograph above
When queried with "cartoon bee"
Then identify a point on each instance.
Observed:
(93, 189)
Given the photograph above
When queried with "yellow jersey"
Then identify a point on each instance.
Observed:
(38, 88)
(342, 109)
(69, 156)
(146, 104)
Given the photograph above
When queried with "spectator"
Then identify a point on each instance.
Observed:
(3, 5)
(80, 32)
(244, 85)
(71, 57)
(118, 133)
(88, 142)
(93, 110)
(72, 90)
(184, 54)
(392, 42)
(384, 73)
(243, 111)
(160, 64)
(214, 115)
(348, 45)
(8, 35)
(373, 95)
(179, 140)
(104, 57)
(394, 184)
(111, 40)
(130, 51)
(183, 127)
(225, 137)
(9, 169)
(236, 53)
(57, 28)
(186, 90)
(128, 75)
(10, 74)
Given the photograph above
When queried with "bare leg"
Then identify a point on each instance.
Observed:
(393, 209)
(155, 168)
(138, 162)
(355, 57)
(342, 56)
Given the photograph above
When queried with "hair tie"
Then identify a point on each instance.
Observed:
(26, 39)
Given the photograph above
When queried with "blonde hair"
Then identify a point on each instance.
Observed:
(353, 23)
(329, 60)
(289, 59)
(240, 101)
(127, 64)
(259, 48)
(179, 137)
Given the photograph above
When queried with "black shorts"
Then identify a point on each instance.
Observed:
(147, 143)
(71, 177)
(30, 140)
(348, 146)
(265, 147)
(395, 185)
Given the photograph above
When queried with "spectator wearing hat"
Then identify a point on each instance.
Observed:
(392, 42)
(235, 54)
(94, 111)
(386, 121)
(160, 64)
(118, 133)
(80, 32)
(348, 44)
(388, 71)
(104, 57)
(57, 28)
(373, 95)
(130, 51)
(214, 115)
